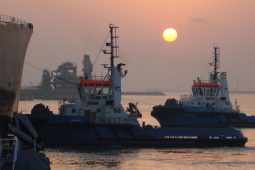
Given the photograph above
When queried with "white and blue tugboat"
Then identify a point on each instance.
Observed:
(99, 119)
(209, 105)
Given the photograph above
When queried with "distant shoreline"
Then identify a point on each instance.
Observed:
(60, 94)
(144, 93)
(243, 92)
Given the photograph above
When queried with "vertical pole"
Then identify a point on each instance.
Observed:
(113, 55)
(1, 147)
(2, 134)
(112, 49)
(215, 63)
(112, 61)
(2, 131)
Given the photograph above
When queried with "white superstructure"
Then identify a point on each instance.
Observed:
(212, 95)
(100, 99)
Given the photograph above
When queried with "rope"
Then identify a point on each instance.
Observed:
(32, 65)
(100, 50)
(40, 69)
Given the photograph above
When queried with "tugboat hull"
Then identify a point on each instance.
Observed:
(56, 131)
(177, 117)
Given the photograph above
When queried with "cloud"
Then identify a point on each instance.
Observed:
(198, 20)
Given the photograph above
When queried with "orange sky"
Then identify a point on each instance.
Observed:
(65, 30)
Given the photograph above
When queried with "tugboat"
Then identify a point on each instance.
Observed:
(209, 105)
(99, 119)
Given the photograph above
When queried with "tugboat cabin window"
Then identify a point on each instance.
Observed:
(91, 93)
(200, 91)
(98, 91)
(83, 92)
(197, 91)
(105, 91)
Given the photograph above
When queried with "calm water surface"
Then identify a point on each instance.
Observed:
(160, 159)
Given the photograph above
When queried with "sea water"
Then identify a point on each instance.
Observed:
(223, 158)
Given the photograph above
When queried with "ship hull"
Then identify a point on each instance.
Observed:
(180, 117)
(58, 131)
(14, 38)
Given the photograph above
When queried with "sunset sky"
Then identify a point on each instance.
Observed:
(66, 30)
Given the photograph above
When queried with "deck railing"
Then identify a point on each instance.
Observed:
(9, 150)
(7, 147)
(9, 19)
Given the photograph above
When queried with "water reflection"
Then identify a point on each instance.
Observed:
(170, 158)
(159, 159)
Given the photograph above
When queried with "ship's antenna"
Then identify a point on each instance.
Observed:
(216, 62)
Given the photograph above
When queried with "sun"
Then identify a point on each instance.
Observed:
(170, 35)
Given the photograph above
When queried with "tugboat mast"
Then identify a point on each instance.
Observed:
(113, 43)
(115, 71)
(215, 63)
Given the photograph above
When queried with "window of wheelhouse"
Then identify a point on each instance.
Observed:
(98, 92)
(201, 91)
(214, 91)
(83, 92)
(103, 92)
(91, 92)
(197, 91)
(217, 91)
(106, 90)
(194, 90)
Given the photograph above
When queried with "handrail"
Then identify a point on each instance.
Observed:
(11, 149)
(15, 156)
(6, 139)
(9, 19)
(8, 146)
